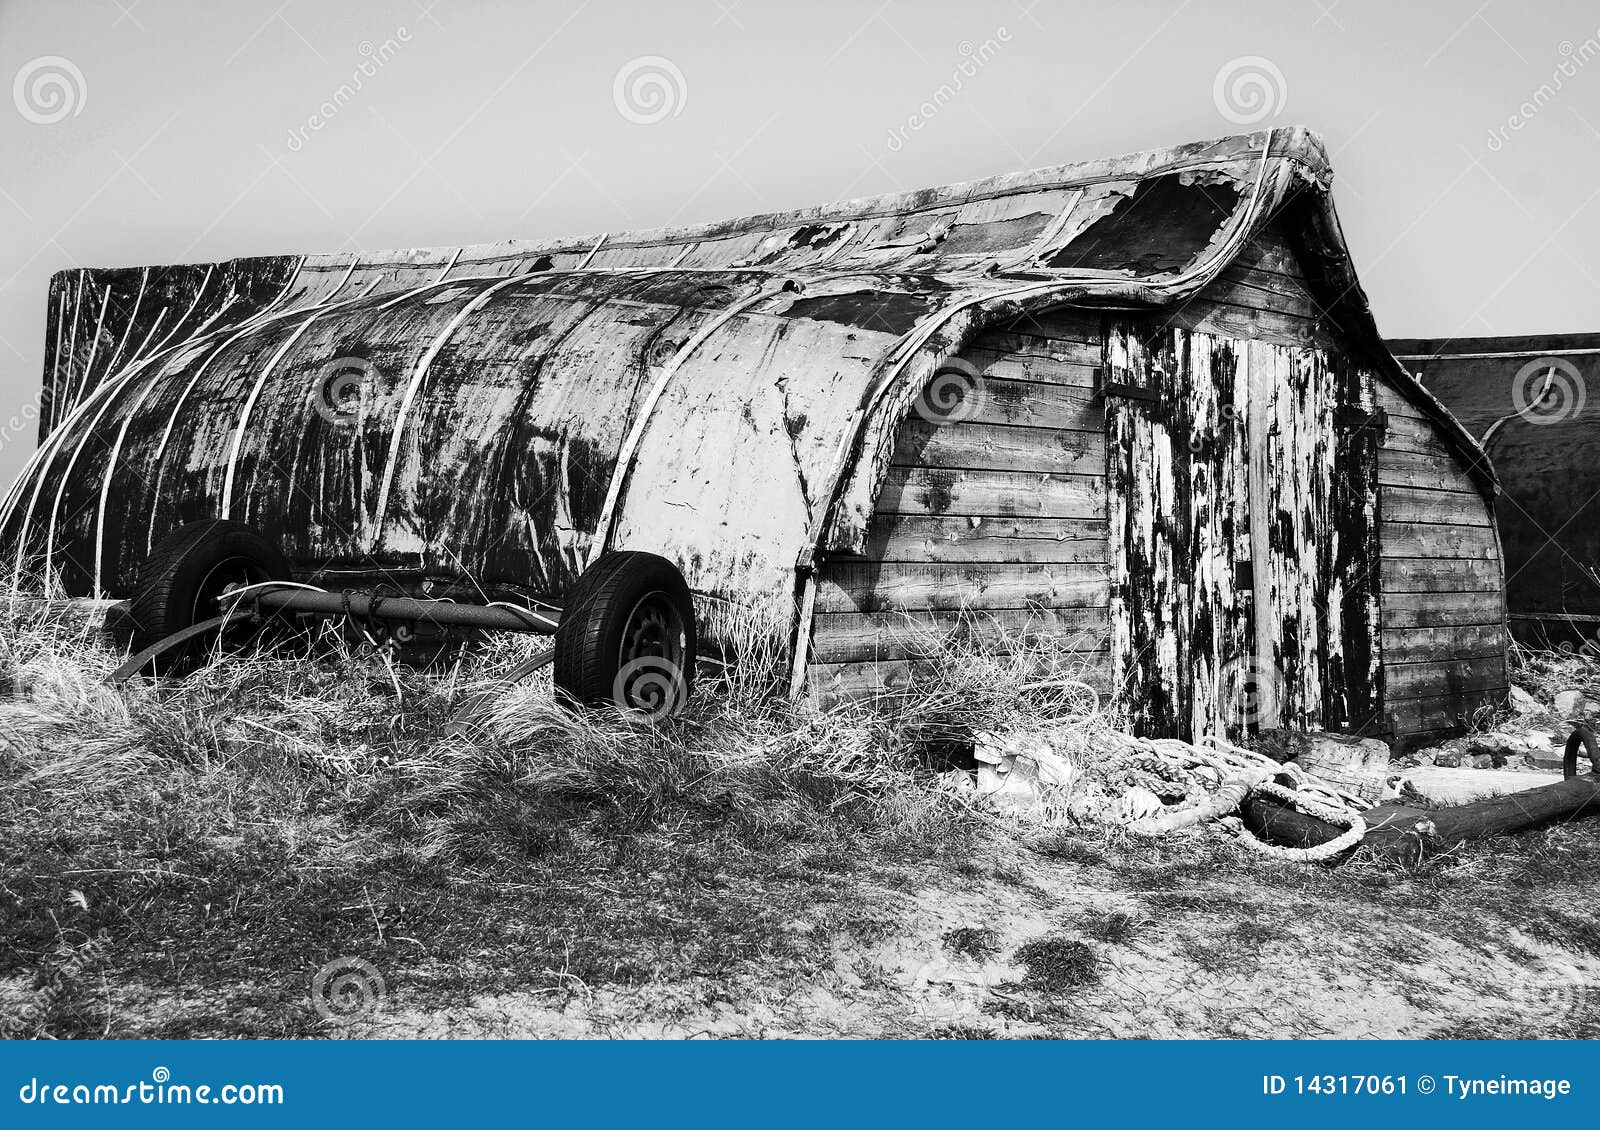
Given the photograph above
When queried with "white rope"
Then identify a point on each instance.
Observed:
(1303, 800)
(1243, 773)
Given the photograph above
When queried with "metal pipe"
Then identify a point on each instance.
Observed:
(442, 613)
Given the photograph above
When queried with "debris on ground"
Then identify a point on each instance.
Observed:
(1440, 787)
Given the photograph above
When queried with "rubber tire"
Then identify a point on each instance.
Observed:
(595, 615)
(169, 578)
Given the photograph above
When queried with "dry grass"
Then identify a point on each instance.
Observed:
(273, 810)
(177, 859)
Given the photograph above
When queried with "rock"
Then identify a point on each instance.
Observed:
(1447, 758)
(1021, 771)
(1356, 765)
(958, 781)
(1523, 702)
(1569, 704)
(1138, 804)
(1479, 761)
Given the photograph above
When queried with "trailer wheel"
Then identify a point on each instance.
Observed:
(627, 636)
(181, 579)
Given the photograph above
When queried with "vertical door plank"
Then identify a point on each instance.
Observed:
(1260, 360)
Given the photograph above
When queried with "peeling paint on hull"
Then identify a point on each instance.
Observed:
(461, 417)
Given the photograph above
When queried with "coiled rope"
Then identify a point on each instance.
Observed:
(1316, 800)
(1242, 773)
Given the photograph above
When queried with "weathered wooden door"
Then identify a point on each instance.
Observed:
(1241, 504)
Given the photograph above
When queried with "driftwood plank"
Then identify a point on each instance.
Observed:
(1449, 507)
(1417, 437)
(1244, 285)
(1428, 575)
(1443, 677)
(930, 490)
(1226, 319)
(999, 447)
(1438, 714)
(886, 587)
(1475, 641)
(1075, 367)
(1429, 472)
(994, 540)
(1036, 404)
(1429, 539)
(1440, 609)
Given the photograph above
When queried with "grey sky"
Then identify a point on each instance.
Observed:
(198, 131)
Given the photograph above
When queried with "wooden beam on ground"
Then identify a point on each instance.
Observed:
(1411, 834)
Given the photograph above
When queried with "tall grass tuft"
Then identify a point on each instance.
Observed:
(347, 723)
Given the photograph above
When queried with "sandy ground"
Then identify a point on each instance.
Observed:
(1209, 958)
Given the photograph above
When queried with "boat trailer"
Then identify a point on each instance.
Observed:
(625, 635)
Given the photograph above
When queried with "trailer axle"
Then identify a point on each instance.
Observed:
(359, 606)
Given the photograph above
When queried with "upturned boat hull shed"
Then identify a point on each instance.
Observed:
(1528, 400)
(1139, 404)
